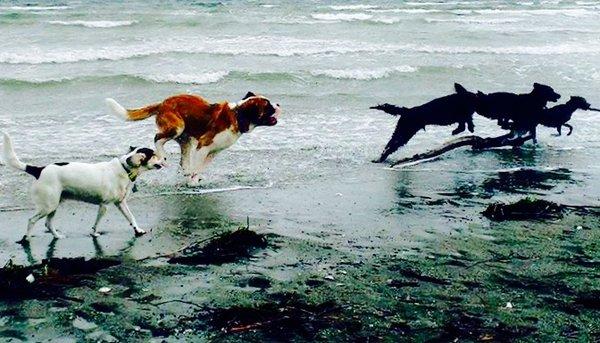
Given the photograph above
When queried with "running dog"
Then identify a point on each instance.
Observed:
(559, 115)
(521, 109)
(99, 183)
(454, 108)
(202, 129)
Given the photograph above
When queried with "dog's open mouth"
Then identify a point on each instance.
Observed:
(272, 120)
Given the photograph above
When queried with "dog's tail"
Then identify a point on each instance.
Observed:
(391, 109)
(131, 115)
(10, 158)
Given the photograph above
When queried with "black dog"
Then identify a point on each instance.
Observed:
(523, 110)
(559, 115)
(447, 110)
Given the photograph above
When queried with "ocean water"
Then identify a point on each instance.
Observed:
(325, 62)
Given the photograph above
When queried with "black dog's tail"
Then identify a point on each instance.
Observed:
(391, 109)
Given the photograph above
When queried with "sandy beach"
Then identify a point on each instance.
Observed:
(363, 251)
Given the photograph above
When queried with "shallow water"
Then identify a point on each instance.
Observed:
(325, 62)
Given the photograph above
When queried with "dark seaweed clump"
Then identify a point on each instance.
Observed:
(524, 209)
(285, 318)
(225, 248)
(50, 278)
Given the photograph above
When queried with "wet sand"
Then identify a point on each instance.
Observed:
(367, 254)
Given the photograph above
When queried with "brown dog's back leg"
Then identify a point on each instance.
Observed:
(188, 146)
(170, 126)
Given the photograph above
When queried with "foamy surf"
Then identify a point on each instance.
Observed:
(341, 16)
(351, 7)
(362, 73)
(187, 78)
(93, 23)
(265, 46)
(32, 8)
(242, 45)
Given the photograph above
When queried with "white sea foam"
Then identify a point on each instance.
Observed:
(473, 20)
(571, 12)
(39, 79)
(556, 49)
(187, 78)
(362, 73)
(351, 7)
(265, 45)
(259, 45)
(386, 20)
(341, 16)
(405, 10)
(93, 23)
(33, 8)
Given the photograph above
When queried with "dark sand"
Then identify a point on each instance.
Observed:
(367, 255)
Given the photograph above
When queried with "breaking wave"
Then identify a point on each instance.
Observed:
(363, 74)
(93, 23)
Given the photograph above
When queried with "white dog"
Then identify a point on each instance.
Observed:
(99, 183)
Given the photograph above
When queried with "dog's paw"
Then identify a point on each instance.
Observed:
(139, 232)
(95, 234)
(193, 180)
(59, 236)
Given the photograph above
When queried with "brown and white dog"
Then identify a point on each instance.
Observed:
(202, 129)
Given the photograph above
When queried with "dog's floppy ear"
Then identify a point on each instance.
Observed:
(132, 148)
(245, 117)
(536, 85)
(248, 95)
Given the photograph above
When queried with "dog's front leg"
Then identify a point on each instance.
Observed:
(470, 125)
(50, 226)
(187, 154)
(122, 206)
(459, 129)
(534, 135)
(101, 213)
(198, 164)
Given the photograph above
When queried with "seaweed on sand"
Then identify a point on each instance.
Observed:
(49, 278)
(225, 248)
(286, 318)
(524, 209)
